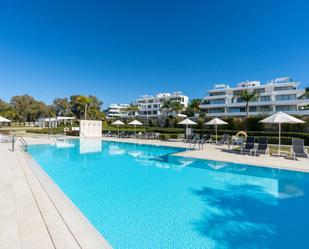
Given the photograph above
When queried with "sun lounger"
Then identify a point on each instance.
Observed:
(298, 148)
(248, 146)
(224, 139)
(262, 147)
(207, 138)
(5, 139)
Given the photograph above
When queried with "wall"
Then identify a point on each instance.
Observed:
(90, 128)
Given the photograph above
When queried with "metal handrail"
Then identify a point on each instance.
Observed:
(24, 143)
(22, 140)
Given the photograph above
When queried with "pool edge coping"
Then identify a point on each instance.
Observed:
(82, 229)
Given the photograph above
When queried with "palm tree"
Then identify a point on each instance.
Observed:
(176, 106)
(194, 106)
(247, 96)
(166, 107)
(85, 101)
(132, 109)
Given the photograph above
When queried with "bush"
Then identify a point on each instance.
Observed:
(58, 130)
(165, 136)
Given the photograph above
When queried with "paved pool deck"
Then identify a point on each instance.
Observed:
(35, 213)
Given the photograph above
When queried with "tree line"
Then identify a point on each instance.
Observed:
(25, 108)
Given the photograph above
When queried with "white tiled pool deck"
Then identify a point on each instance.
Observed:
(35, 213)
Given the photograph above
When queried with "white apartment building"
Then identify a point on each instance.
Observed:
(117, 110)
(281, 94)
(150, 106)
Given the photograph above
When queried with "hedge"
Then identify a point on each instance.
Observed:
(58, 130)
(174, 133)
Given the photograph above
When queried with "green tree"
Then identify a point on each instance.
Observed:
(62, 107)
(166, 107)
(7, 111)
(79, 104)
(132, 109)
(95, 108)
(177, 107)
(3, 107)
(194, 107)
(25, 108)
(84, 106)
(247, 96)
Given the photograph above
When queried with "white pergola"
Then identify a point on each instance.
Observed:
(54, 121)
(4, 120)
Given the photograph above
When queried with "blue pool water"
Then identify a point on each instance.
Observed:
(141, 196)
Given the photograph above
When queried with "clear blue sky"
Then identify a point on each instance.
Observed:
(119, 50)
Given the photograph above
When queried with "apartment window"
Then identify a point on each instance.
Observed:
(150, 101)
(284, 88)
(259, 90)
(175, 99)
(236, 109)
(217, 94)
(265, 98)
(216, 110)
(286, 97)
(266, 108)
(155, 106)
(237, 92)
(155, 112)
(252, 108)
(149, 106)
(286, 108)
(217, 101)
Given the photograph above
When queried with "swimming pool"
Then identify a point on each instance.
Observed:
(141, 196)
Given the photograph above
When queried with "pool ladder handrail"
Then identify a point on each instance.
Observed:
(197, 141)
(22, 140)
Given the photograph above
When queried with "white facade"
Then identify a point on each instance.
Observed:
(281, 94)
(117, 110)
(150, 106)
(90, 128)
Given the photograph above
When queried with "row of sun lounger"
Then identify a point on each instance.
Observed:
(129, 134)
(250, 146)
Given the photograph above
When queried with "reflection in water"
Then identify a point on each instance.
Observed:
(89, 145)
(64, 144)
(289, 189)
(230, 214)
(217, 165)
(156, 164)
(135, 153)
(115, 150)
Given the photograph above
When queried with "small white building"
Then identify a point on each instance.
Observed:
(53, 122)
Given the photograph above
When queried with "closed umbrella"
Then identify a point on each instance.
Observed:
(216, 122)
(281, 118)
(118, 123)
(135, 123)
(187, 122)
